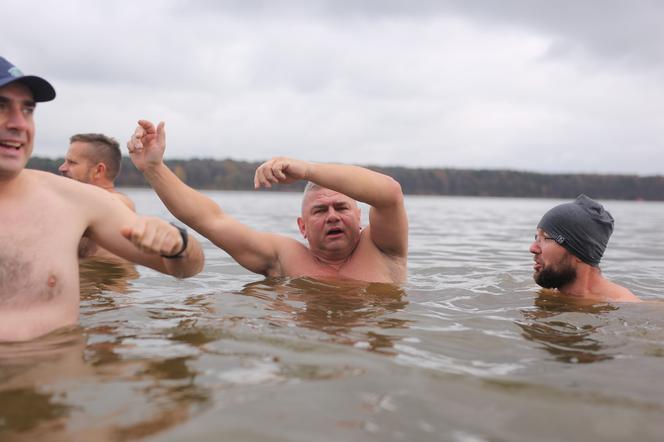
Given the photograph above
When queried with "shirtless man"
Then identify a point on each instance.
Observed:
(338, 247)
(568, 247)
(43, 217)
(94, 159)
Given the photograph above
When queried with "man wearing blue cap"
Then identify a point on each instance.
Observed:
(44, 216)
(569, 244)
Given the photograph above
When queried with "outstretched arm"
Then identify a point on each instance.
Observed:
(253, 250)
(388, 222)
(140, 239)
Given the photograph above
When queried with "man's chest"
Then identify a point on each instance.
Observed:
(357, 268)
(38, 258)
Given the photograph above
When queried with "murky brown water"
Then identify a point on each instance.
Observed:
(467, 350)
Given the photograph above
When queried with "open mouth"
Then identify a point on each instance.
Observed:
(15, 145)
(334, 232)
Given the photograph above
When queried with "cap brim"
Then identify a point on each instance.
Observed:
(41, 89)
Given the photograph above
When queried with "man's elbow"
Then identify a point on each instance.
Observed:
(191, 267)
(392, 193)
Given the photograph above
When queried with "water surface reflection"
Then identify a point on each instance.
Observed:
(467, 350)
(348, 312)
(569, 338)
(99, 383)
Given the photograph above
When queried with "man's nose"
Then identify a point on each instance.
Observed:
(332, 216)
(62, 168)
(535, 248)
(17, 120)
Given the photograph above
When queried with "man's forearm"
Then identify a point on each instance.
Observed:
(189, 263)
(359, 183)
(186, 204)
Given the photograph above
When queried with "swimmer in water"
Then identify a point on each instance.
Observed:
(338, 247)
(44, 216)
(95, 159)
(568, 246)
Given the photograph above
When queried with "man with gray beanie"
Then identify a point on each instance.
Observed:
(569, 244)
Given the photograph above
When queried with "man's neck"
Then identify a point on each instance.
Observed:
(586, 284)
(335, 260)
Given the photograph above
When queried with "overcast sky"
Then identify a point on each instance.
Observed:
(564, 86)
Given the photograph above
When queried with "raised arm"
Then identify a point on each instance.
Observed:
(256, 251)
(388, 222)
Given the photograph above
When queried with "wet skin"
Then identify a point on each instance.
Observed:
(42, 219)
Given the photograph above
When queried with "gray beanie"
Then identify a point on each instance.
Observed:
(582, 227)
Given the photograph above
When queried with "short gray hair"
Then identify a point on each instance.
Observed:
(310, 187)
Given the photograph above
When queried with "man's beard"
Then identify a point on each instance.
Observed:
(554, 278)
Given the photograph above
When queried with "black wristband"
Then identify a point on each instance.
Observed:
(185, 240)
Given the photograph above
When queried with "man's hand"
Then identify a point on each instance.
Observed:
(146, 146)
(280, 170)
(154, 236)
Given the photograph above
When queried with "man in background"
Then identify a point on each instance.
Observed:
(95, 159)
(568, 246)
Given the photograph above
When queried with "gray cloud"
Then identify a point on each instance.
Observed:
(615, 29)
(514, 84)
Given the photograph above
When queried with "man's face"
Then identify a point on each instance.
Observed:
(77, 165)
(17, 128)
(330, 222)
(554, 266)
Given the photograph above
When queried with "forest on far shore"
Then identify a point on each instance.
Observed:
(228, 174)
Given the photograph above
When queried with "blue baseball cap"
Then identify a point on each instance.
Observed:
(41, 89)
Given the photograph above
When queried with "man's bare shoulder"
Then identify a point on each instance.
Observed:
(78, 198)
(42, 184)
(291, 254)
(66, 187)
(618, 293)
(287, 243)
(124, 199)
(52, 182)
(288, 249)
(368, 246)
(398, 254)
(605, 291)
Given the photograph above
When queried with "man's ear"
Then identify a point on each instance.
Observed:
(100, 170)
(300, 225)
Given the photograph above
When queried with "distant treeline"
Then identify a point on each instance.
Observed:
(238, 175)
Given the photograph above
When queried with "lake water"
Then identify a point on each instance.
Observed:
(467, 350)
